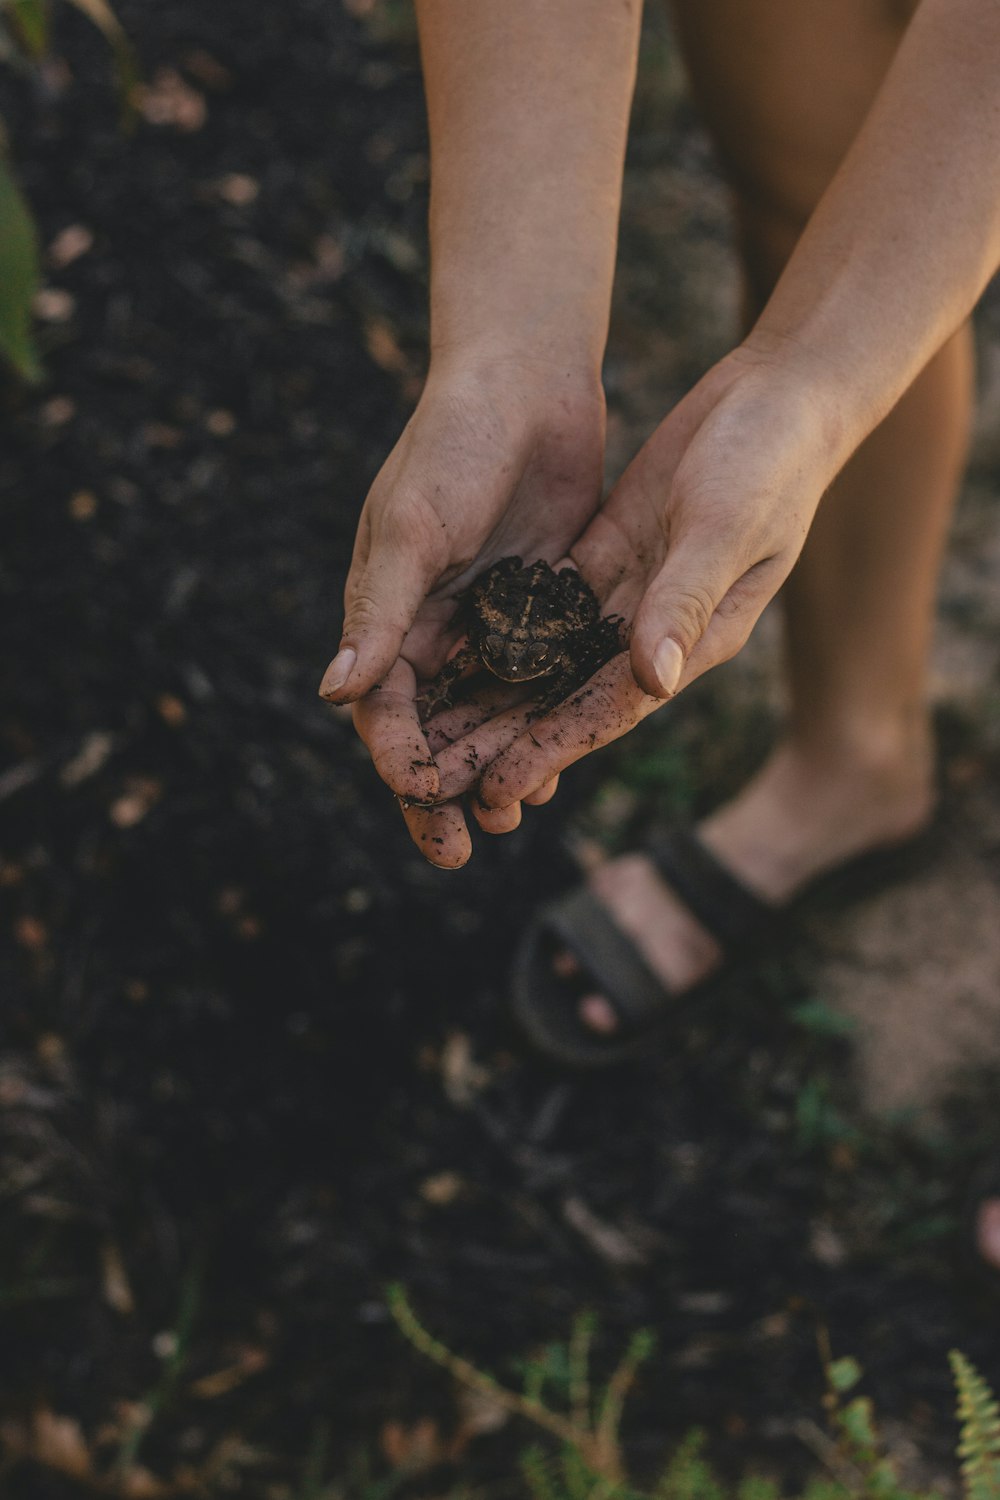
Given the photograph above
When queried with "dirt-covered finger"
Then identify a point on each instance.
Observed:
(440, 833)
(388, 723)
(451, 724)
(606, 707)
(544, 794)
(461, 764)
(496, 819)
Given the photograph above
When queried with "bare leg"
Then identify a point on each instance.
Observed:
(785, 85)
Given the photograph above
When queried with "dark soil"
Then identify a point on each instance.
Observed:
(254, 1058)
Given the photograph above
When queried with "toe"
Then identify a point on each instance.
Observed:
(596, 1013)
(565, 965)
(988, 1231)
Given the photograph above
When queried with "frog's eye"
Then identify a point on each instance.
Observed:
(538, 654)
(494, 644)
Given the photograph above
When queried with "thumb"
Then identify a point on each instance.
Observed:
(381, 598)
(674, 615)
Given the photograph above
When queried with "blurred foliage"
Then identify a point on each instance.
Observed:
(25, 39)
(584, 1458)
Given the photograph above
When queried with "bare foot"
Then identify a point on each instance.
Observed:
(798, 817)
(988, 1231)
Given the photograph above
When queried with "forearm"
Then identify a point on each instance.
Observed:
(908, 233)
(528, 103)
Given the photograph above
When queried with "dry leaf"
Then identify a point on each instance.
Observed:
(171, 710)
(251, 1361)
(383, 347)
(416, 1447)
(463, 1077)
(443, 1187)
(91, 755)
(53, 304)
(31, 933)
(142, 793)
(69, 244)
(607, 1240)
(480, 1413)
(139, 1484)
(168, 100)
(58, 1443)
(114, 1280)
(220, 423)
(238, 189)
(57, 411)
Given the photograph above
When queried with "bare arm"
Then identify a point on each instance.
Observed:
(895, 257)
(907, 235)
(528, 103)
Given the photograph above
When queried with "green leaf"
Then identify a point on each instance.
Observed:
(821, 1019)
(18, 277)
(843, 1374)
(29, 20)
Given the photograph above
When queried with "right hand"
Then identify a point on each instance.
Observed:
(503, 457)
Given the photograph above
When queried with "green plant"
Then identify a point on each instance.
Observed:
(586, 1461)
(25, 33)
(979, 1444)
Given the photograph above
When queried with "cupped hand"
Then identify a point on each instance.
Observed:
(501, 457)
(695, 539)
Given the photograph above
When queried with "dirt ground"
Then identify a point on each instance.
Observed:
(255, 1060)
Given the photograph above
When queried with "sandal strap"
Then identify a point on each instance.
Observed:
(609, 956)
(724, 906)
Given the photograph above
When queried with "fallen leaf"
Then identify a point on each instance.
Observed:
(416, 1447)
(381, 343)
(57, 411)
(114, 1280)
(443, 1187)
(171, 710)
(607, 1240)
(142, 794)
(238, 189)
(463, 1077)
(30, 933)
(82, 505)
(220, 423)
(52, 304)
(58, 1443)
(69, 244)
(168, 100)
(89, 759)
(251, 1361)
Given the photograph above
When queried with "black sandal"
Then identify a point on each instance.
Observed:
(744, 926)
(983, 1274)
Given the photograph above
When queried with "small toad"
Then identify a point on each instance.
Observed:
(526, 623)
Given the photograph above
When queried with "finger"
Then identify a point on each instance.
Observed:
(461, 764)
(440, 833)
(544, 794)
(388, 723)
(607, 706)
(735, 617)
(675, 612)
(387, 584)
(455, 723)
(496, 819)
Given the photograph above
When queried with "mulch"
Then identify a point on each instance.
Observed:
(255, 1062)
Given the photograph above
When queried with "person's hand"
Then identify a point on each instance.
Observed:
(695, 539)
(500, 458)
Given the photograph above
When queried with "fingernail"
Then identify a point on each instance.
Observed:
(338, 672)
(668, 664)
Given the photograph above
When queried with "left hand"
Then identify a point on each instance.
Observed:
(695, 539)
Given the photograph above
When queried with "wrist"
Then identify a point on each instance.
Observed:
(509, 372)
(811, 386)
